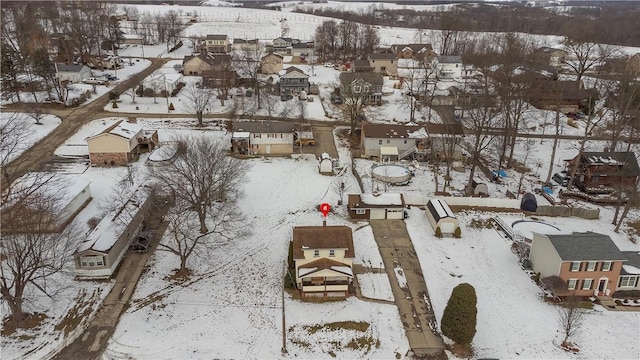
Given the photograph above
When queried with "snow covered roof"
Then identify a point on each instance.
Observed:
(439, 209)
(632, 266)
(262, 126)
(381, 199)
(389, 131)
(123, 129)
(240, 134)
(585, 246)
(322, 237)
(110, 229)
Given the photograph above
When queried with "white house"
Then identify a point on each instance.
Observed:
(376, 206)
(73, 73)
(407, 140)
(449, 67)
(162, 82)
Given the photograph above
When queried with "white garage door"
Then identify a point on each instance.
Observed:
(377, 213)
(394, 214)
(447, 227)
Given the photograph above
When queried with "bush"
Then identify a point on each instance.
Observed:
(176, 46)
(171, 106)
(140, 90)
(457, 233)
(114, 104)
(459, 318)
(536, 278)
(113, 95)
(148, 92)
(438, 232)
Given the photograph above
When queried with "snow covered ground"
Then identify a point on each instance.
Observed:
(32, 132)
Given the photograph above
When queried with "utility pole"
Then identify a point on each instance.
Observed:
(284, 325)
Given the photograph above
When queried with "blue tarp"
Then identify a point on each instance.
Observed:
(502, 173)
(548, 190)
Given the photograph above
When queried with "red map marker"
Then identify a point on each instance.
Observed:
(324, 209)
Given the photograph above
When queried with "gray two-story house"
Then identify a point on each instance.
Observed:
(407, 141)
(362, 84)
(293, 81)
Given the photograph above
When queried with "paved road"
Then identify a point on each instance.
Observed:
(72, 119)
(93, 341)
(324, 140)
(413, 301)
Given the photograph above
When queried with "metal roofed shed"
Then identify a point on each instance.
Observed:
(440, 216)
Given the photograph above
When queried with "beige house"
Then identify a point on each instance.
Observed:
(217, 44)
(587, 264)
(271, 63)
(120, 143)
(413, 51)
(384, 63)
(203, 63)
(262, 138)
(323, 257)
(388, 206)
(100, 254)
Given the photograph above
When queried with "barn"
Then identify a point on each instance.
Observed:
(441, 216)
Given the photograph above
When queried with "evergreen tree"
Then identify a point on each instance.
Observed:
(459, 318)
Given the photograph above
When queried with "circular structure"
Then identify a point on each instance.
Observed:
(528, 227)
(391, 174)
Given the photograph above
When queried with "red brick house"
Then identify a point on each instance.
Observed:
(598, 171)
(120, 143)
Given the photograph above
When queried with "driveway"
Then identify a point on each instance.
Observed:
(324, 140)
(413, 301)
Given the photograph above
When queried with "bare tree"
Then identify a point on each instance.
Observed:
(201, 177)
(184, 240)
(571, 317)
(583, 51)
(14, 132)
(248, 63)
(132, 94)
(198, 100)
(37, 114)
(31, 253)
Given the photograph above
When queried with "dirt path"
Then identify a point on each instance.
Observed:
(72, 119)
(413, 301)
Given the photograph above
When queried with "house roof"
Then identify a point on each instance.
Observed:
(383, 56)
(548, 50)
(123, 129)
(313, 267)
(263, 127)
(445, 129)
(372, 78)
(588, 246)
(450, 59)
(244, 41)
(553, 90)
(626, 160)
(415, 47)
(216, 37)
(209, 59)
(322, 237)
(293, 68)
(70, 67)
(375, 201)
(632, 265)
(389, 131)
(272, 55)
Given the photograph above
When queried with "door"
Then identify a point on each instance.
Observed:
(394, 214)
(267, 149)
(602, 285)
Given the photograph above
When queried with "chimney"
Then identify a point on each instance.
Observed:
(132, 120)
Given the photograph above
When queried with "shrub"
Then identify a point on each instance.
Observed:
(171, 106)
(457, 233)
(536, 278)
(176, 46)
(114, 104)
(438, 232)
(113, 95)
(140, 90)
(459, 318)
(148, 92)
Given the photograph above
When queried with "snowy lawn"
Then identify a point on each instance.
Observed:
(24, 139)
(513, 319)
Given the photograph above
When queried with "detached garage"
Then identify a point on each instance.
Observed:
(441, 216)
(376, 206)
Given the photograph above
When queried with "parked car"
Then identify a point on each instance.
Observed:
(110, 77)
(560, 179)
(141, 244)
(94, 81)
(328, 64)
(285, 97)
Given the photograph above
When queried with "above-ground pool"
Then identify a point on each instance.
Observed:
(392, 174)
(527, 227)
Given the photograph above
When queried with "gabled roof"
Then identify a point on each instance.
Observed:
(322, 237)
(70, 67)
(444, 129)
(244, 41)
(382, 56)
(263, 127)
(272, 55)
(415, 47)
(216, 37)
(626, 160)
(587, 246)
(293, 69)
(371, 77)
(450, 59)
(212, 60)
(389, 131)
(632, 265)
(377, 200)
(123, 129)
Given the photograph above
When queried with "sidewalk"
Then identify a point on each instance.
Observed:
(413, 301)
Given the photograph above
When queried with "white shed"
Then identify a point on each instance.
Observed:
(326, 164)
(73, 73)
(441, 216)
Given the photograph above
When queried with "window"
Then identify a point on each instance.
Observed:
(357, 89)
(332, 253)
(316, 253)
(361, 211)
(591, 266)
(572, 284)
(383, 68)
(606, 266)
(405, 141)
(379, 142)
(92, 261)
(628, 281)
(575, 266)
(388, 141)
(587, 284)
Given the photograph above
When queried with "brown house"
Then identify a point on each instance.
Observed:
(323, 257)
(599, 171)
(413, 51)
(586, 264)
(120, 143)
(564, 96)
